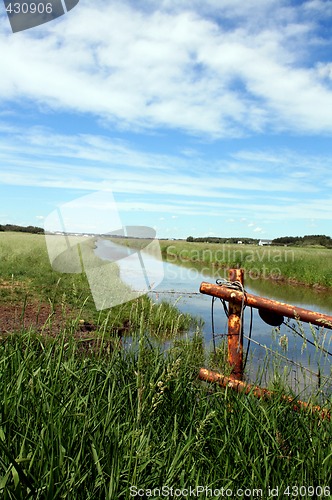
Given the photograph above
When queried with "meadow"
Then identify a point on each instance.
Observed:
(310, 266)
(84, 418)
(28, 282)
(104, 425)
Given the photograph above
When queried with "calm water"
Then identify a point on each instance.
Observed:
(180, 286)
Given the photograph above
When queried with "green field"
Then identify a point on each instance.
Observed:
(310, 266)
(304, 265)
(28, 281)
(80, 426)
(83, 418)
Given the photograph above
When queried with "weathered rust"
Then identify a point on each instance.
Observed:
(235, 344)
(258, 392)
(257, 302)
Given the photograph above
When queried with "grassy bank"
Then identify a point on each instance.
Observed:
(28, 282)
(83, 427)
(82, 418)
(310, 266)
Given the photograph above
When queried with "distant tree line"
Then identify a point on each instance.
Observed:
(314, 239)
(22, 229)
(214, 239)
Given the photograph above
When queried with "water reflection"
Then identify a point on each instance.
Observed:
(180, 287)
(186, 280)
(300, 295)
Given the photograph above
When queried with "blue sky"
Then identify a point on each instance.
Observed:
(201, 117)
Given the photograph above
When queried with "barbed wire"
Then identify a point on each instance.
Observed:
(237, 285)
(288, 359)
(321, 348)
(170, 291)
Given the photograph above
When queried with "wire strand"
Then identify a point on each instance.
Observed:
(306, 339)
(287, 359)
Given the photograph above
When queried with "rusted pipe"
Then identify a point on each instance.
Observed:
(234, 337)
(258, 392)
(257, 302)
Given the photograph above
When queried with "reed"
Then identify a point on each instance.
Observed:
(308, 265)
(27, 279)
(87, 420)
(102, 425)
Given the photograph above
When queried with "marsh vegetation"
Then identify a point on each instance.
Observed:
(83, 418)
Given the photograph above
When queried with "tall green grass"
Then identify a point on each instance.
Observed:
(312, 266)
(80, 426)
(25, 269)
(82, 422)
(308, 265)
(26, 276)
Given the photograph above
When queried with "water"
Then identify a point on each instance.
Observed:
(187, 280)
(180, 287)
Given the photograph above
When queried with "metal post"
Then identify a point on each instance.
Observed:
(235, 341)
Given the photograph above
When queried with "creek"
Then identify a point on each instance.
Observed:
(180, 286)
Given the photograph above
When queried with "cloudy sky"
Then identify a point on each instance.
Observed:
(202, 117)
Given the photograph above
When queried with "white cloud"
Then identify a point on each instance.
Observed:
(324, 70)
(182, 186)
(202, 67)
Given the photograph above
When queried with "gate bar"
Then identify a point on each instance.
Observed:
(258, 392)
(257, 302)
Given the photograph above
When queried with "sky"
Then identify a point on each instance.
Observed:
(200, 117)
